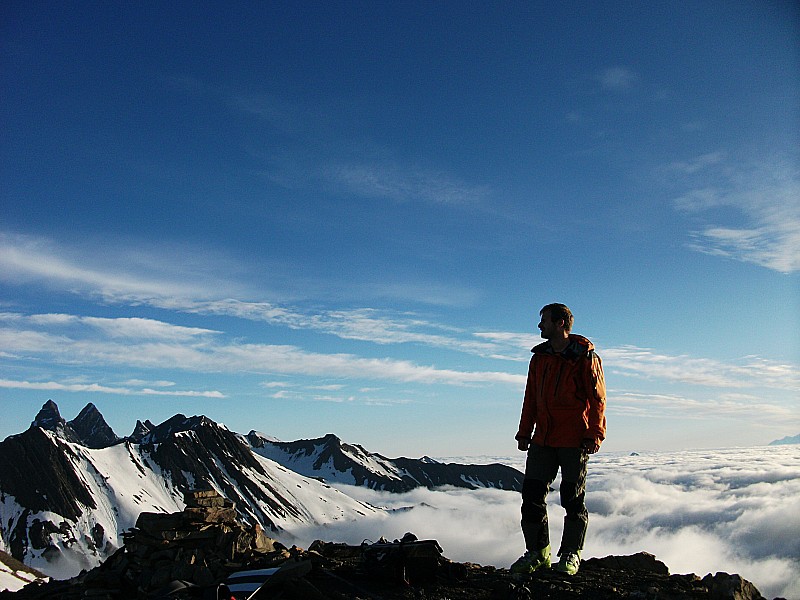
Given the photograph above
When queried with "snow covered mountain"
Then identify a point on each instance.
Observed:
(64, 506)
(68, 490)
(789, 439)
(332, 460)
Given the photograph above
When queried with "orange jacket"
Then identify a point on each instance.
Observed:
(565, 397)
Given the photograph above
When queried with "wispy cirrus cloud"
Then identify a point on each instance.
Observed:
(730, 406)
(362, 175)
(173, 278)
(395, 182)
(748, 372)
(120, 327)
(765, 199)
(119, 282)
(116, 273)
(212, 356)
(207, 348)
(617, 78)
(104, 389)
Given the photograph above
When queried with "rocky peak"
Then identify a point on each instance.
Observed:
(92, 429)
(48, 417)
(141, 430)
(258, 439)
(177, 424)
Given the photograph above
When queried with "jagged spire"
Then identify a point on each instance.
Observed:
(141, 430)
(92, 429)
(48, 417)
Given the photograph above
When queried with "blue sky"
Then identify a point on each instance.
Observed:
(343, 217)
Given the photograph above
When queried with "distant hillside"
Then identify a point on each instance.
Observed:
(793, 439)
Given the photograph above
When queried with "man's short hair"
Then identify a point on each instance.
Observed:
(559, 312)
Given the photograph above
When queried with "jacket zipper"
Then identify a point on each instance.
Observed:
(555, 394)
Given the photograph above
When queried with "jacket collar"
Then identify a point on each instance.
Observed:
(578, 346)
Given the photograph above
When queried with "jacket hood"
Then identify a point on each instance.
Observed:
(578, 346)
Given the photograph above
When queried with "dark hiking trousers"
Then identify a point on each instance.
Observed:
(541, 469)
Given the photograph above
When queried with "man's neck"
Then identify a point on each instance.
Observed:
(559, 344)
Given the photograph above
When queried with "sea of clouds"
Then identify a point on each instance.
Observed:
(703, 511)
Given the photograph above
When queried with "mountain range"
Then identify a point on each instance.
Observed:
(789, 439)
(70, 489)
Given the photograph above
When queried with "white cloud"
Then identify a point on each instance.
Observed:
(104, 389)
(698, 163)
(402, 184)
(766, 198)
(617, 79)
(142, 382)
(200, 349)
(114, 273)
(284, 394)
(722, 406)
(699, 512)
(773, 245)
(115, 284)
(748, 372)
(119, 327)
(275, 384)
(364, 324)
(145, 328)
(235, 357)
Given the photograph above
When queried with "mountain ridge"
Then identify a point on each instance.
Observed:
(333, 460)
(789, 439)
(65, 503)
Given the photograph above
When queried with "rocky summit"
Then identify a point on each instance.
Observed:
(202, 551)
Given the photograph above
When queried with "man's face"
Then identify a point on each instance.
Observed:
(547, 327)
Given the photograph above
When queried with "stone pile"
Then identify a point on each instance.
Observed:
(201, 544)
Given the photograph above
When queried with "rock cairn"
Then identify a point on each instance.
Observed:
(200, 545)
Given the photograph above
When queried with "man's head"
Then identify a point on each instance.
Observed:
(555, 316)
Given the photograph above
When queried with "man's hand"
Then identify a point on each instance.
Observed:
(523, 444)
(590, 445)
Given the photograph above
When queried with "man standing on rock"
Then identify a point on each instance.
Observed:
(563, 422)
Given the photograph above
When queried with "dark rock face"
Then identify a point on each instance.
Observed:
(89, 428)
(204, 449)
(141, 430)
(430, 474)
(92, 429)
(328, 457)
(39, 472)
(48, 417)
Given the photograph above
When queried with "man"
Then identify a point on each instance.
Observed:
(563, 421)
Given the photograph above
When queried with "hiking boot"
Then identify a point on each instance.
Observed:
(570, 562)
(531, 561)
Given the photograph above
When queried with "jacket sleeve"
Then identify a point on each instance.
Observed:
(595, 386)
(528, 419)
